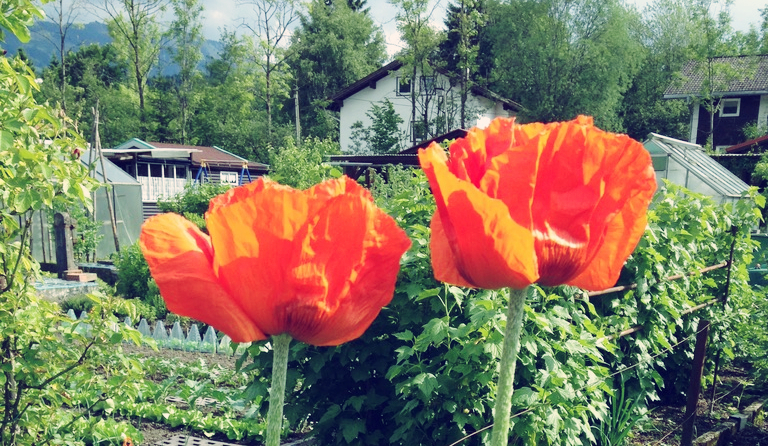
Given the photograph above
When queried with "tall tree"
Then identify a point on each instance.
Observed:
(187, 35)
(134, 26)
(226, 115)
(332, 47)
(413, 21)
(63, 14)
(459, 50)
(668, 32)
(561, 58)
(271, 27)
(714, 21)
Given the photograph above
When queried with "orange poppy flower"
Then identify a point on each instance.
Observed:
(560, 203)
(317, 264)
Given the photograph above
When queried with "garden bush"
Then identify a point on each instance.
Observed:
(44, 355)
(133, 277)
(424, 372)
(78, 304)
(194, 199)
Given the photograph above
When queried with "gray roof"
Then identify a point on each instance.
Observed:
(693, 158)
(115, 175)
(741, 75)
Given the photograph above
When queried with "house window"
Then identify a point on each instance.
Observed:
(229, 178)
(403, 86)
(428, 84)
(730, 107)
(418, 131)
(660, 162)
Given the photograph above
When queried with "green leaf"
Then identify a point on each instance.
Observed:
(350, 429)
(331, 413)
(524, 396)
(426, 382)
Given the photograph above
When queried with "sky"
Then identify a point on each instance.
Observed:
(226, 13)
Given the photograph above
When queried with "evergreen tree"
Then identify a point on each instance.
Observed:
(333, 47)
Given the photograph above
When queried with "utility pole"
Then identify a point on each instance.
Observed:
(298, 122)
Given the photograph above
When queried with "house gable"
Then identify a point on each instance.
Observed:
(437, 94)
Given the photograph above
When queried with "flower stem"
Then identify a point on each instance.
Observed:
(506, 386)
(280, 345)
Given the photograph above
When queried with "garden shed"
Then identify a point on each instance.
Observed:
(688, 165)
(126, 198)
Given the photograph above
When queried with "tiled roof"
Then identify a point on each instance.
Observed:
(751, 76)
(747, 146)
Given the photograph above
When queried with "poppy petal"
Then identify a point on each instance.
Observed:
(252, 233)
(180, 259)
(346, 270)
(490, 249)
(443, 259)
(622, 233)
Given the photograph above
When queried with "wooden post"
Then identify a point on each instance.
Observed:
(65, 259)
(694, 386)
(110, 206)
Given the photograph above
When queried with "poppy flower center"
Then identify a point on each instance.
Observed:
(560, 258)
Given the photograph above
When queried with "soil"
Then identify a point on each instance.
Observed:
(156, 433)
(662, 426)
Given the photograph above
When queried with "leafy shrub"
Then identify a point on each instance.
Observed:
(424, 372)
(194, 199)
(78, 304)
(139, 310)
(302, 166)
(133, 275)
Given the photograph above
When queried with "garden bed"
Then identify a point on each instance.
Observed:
(734, 393)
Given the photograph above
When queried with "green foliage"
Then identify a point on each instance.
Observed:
(424, 372)
(133, 275)
(675, 243)
(193, 202)
(383, 135)
(624, 414)
(578, 57)
(78, 304)
(751, 328)
(302, 166)
(754, 130)
(43, 354)
(135, 281)
(87, 235)
(334, 46)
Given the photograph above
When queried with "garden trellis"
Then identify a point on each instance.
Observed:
(700, 334)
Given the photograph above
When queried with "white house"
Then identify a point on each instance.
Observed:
(437, 99)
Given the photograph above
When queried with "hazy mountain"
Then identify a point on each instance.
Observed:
(44, 44)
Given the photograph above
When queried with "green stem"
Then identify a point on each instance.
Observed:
(280, 345)
(506, 386)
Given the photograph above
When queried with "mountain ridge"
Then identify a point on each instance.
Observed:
(43, 45)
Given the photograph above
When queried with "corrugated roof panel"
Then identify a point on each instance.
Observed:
(693, 159)
(115, 175)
